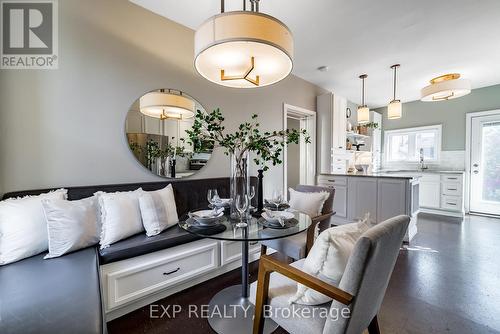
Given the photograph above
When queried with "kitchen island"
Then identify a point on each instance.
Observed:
(382, 195)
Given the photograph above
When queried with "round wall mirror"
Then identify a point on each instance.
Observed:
(156, 127)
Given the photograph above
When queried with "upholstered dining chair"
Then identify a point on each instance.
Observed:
(297, 246)
(361, 288)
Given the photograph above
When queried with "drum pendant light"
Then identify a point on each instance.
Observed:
(445, 87)
(395, 108)
(243, 49)
(164, 105)
(363, 110)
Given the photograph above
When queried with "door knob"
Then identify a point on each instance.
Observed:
(476, 171)
(475, 165)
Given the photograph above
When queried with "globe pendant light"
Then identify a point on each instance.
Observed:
(363, 110)
(164, 105)
(445, 87)
(243, 49)
(395, 108)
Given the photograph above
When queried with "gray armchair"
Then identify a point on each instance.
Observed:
(361, 289)
(297, 246)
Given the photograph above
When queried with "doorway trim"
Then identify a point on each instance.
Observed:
(307, 151)
(468, 151)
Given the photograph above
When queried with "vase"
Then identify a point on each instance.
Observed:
(239, 179)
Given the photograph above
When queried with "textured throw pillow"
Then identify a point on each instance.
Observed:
(71, 225)
(158, 210)
(328, 258)
(119, 215)
(23, 228)
(308, 203)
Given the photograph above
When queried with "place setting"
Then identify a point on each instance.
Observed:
(275, 214)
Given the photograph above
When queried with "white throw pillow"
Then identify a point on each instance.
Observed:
(158, 210)
(120, 215)
(328, 258)
(23, 228)
(71, 225)
(308, 203)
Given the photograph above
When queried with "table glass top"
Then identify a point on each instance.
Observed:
(256, 229)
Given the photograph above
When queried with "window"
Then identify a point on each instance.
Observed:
(404, 145)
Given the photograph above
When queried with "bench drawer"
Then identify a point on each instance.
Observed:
(144, 275)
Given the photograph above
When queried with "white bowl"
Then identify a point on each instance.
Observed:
(205, 217)
(273, 217)
(223, 203)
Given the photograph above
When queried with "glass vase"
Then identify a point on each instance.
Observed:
(239, 179)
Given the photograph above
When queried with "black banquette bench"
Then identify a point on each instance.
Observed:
(63, 295)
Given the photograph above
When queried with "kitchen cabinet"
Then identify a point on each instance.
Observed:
(331, 120)
(442, 193)
(339, 183)
(362, 197)
(391, 195)
(430, 187)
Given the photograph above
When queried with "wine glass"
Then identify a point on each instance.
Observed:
(212, 196)
(242, 206)
(277, 198)
(251, 195)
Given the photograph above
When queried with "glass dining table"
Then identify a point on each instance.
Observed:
(230, 309)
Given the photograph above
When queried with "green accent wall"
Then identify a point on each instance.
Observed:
(451, 114)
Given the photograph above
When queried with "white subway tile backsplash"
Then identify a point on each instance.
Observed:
(452, 160)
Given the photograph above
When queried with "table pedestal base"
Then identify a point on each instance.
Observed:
(231, 313)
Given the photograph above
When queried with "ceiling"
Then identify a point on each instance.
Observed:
(427, 37)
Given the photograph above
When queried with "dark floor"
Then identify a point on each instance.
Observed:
(446, 281)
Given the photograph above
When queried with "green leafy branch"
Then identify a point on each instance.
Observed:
(267, 146)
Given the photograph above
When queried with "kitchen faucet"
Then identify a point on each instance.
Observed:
(422, 164)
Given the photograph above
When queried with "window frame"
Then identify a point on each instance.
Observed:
(407, 131)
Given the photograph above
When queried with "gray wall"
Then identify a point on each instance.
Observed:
(66, 127)
(451, 114)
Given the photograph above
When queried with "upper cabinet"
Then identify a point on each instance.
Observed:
(331, 114)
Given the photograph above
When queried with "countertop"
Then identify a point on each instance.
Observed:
(376, 174)
(398, 173)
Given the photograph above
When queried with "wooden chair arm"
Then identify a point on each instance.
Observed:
(312, 229)
(267, 265)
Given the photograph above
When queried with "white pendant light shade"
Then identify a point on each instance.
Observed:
(394, 109)
(165, 105)
(363, 114)
(243, 49)
(445, 87)
(363, 110)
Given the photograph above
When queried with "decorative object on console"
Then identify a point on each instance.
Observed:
(267, 146)
(23, 227)
(71, 225)
(395, 108)
(445, 87)
(363, 110)
(120, 215)
(158, 210)
(155, 129)
(243, 49)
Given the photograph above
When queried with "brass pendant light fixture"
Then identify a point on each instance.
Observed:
(166, 105)
(243, 49)
(363, 110)
(395, 108)
(445, 87)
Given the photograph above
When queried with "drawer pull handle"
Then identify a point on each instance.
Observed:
(452, 188)
(452, 178)
(451, 203)
(331, 180)
(171, 272)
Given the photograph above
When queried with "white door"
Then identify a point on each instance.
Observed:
(485, 165)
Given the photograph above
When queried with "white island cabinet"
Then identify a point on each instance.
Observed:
(379, 195)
